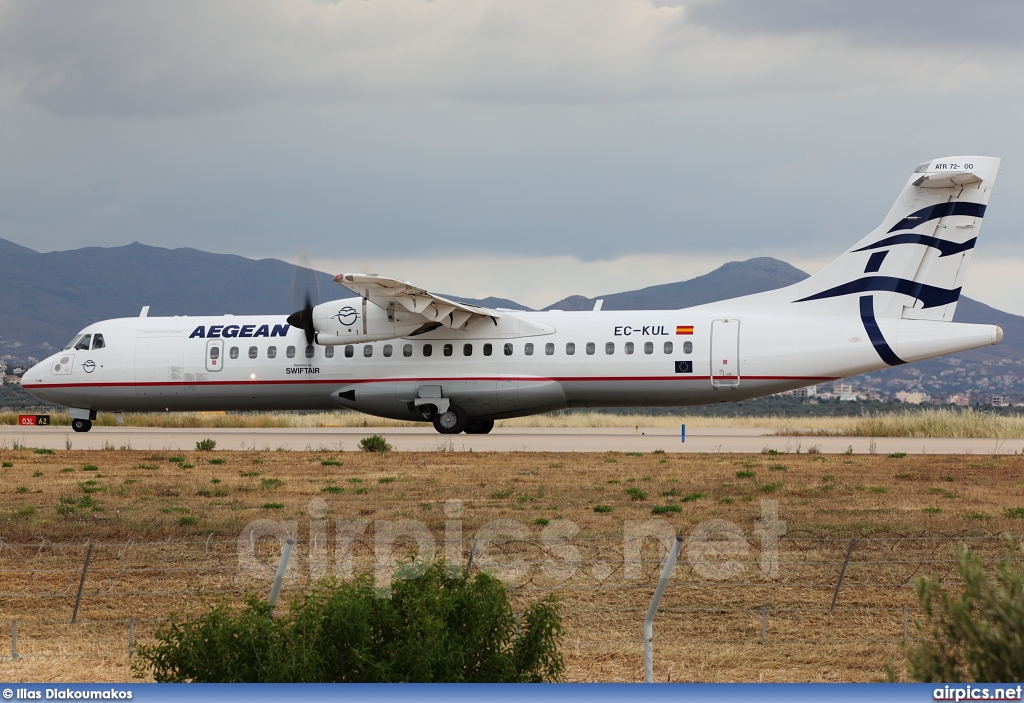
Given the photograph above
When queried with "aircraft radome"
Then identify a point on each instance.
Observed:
(400, 352)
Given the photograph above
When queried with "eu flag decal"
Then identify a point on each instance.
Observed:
(684, 367)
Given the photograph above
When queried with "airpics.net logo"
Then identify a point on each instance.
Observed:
(716, 550)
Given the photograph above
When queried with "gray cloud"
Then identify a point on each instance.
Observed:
(124, 58)
(949, 25)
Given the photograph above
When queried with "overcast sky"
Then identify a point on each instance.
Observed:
(523, 148)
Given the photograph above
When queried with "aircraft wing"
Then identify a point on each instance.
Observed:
(390, 293)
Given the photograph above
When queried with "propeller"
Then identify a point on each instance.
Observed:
(304, 280)
(304, 320)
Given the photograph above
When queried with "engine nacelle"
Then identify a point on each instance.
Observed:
(353, 320)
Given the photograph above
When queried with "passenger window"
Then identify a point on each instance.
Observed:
(329, 352)
(467, 350)
(387, 350)
(349, 351)
(97, 341)
(271, 352)
(309, 351)
(447, 349)
(687, 347)
(591, 348)
(609, 347)
(290, 352)
(407, 350)
(528, 349)
(214, 353)
(549, 348)
(428, 350)
(508, 348)
(253, 352)
(233, 352)
(570, 348)
(629, 347)
(488, 349)
(668, 347)
(648, 347)
(367, 350)
(83, 343)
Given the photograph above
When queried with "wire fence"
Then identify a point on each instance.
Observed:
(849, 602)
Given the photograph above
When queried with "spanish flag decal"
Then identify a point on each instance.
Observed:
(684, 329)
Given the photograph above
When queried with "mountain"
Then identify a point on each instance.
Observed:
(730, 280)
(46, 298)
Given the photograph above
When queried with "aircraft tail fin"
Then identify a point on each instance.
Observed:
(914, 264)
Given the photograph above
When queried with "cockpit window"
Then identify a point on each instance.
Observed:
(97, 341)
(72, 343)
(83, 343)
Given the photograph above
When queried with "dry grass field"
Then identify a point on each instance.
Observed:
(169, 533)
(938, 422)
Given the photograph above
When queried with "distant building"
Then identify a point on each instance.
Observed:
(998, 401)
(960, 399)
(912, 398)
(11, 380)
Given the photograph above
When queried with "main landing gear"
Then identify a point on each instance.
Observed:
(455, 420)
(81, 425)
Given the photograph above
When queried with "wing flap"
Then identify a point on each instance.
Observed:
(434, 308)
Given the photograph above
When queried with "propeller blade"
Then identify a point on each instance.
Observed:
(304, 320)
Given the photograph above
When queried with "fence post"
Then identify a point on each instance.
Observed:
(764, 625)
(842, 573)
(14, 640)
(131, 636)
(282, 566)
(81, 583)
(652, 610)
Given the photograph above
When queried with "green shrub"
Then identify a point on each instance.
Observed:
(206, 445)
(1014, 512)
(271, 483)
(330, 462)
(248, 474)
(690, 497)
(374, 443)
(37, 474)
(665, 509)
(745, 474)
(9, 464)
(976, 636)
(898, 455)
(386, 479)
(778, 467)
(636, 493)
(333, 489)
(273, 506)
(187, 521)
(42, 451)
(176, 459)
(217, 461)
(90, 467)
(770, 487)
(541, 521)
(434, 628)
(602, 508)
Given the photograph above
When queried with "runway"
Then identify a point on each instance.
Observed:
(423, 439)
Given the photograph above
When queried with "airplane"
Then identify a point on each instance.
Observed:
(398, 351)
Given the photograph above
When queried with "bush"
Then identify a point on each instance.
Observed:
(665, 509)
(374, 443)
(975, 637)
(434, 628)
(206, 445)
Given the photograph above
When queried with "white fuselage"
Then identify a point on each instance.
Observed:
(590, 359)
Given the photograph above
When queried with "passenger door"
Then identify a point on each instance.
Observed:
(214, 354)
(725, 353)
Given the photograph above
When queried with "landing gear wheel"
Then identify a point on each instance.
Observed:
(478, 426)
(81, 425)
(453, 421)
